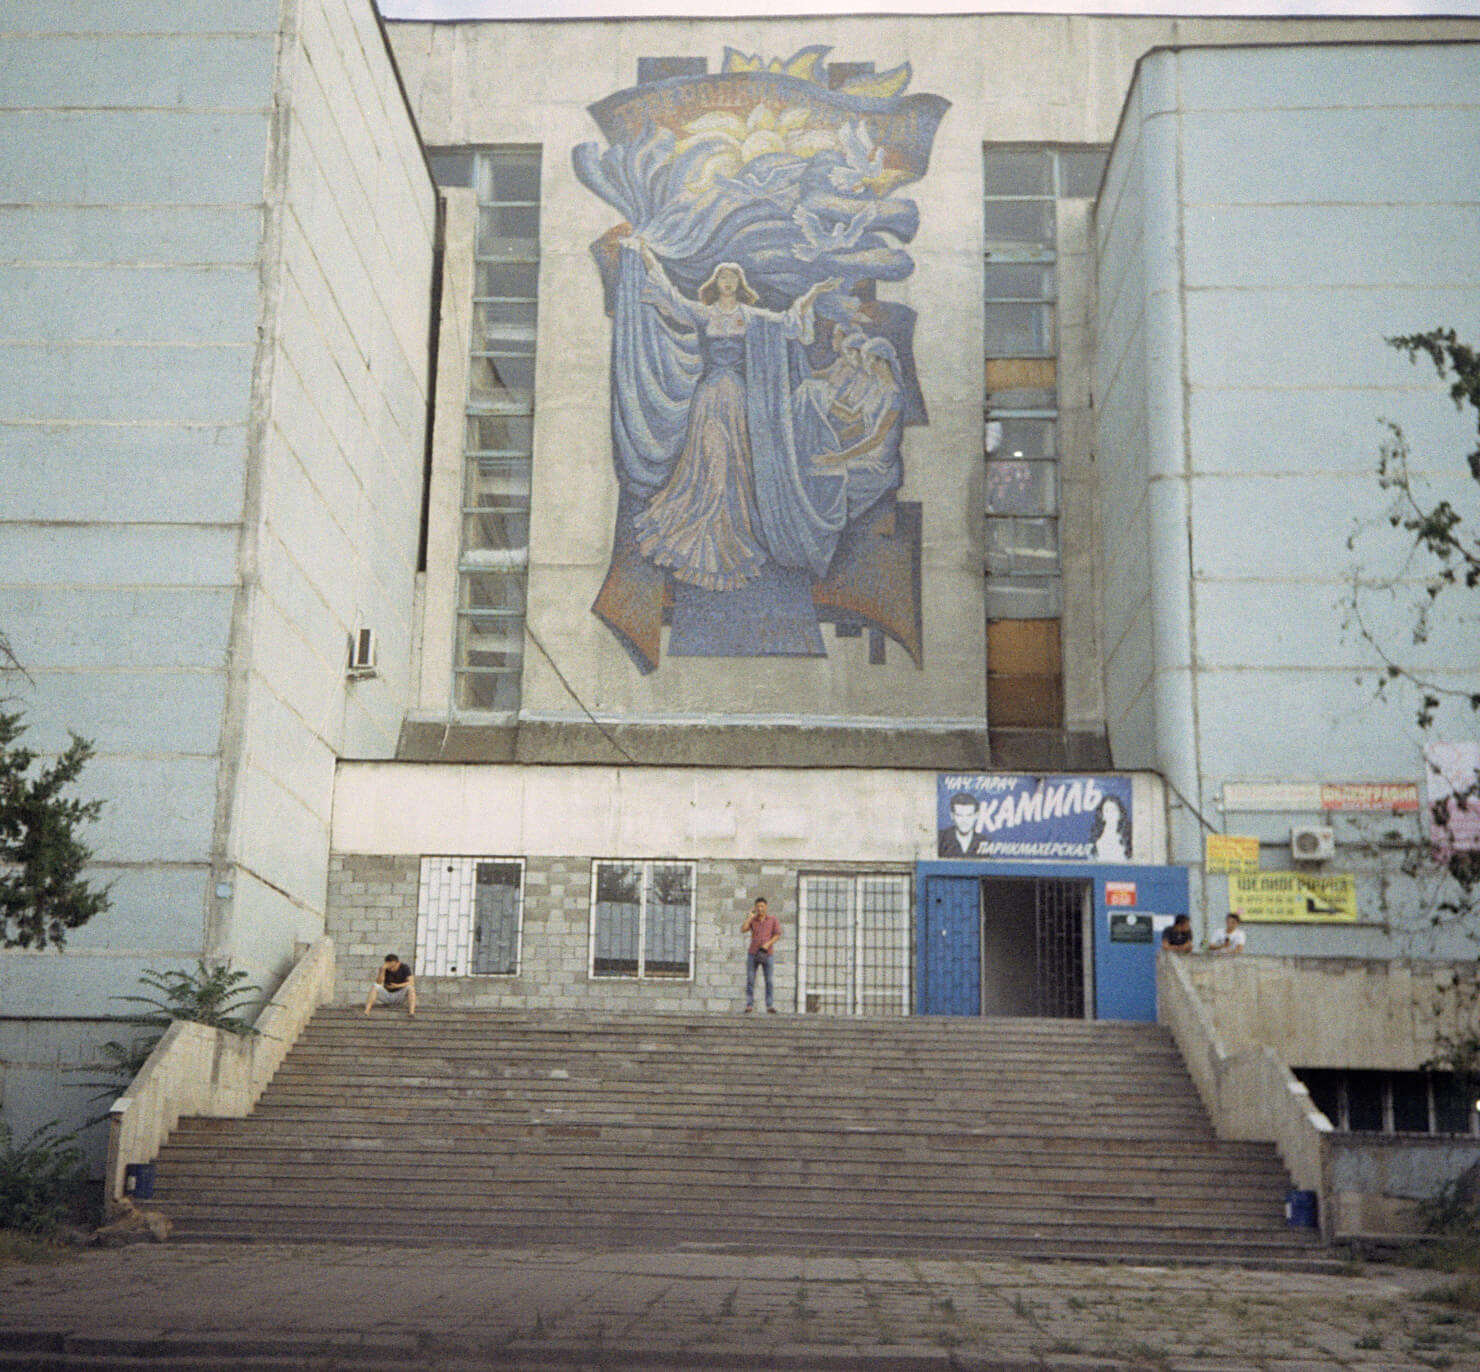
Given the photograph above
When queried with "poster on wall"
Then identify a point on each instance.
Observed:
(760, 387)
(1293, 897)
(1033, 818)
(1452, 789)
(1231, 853)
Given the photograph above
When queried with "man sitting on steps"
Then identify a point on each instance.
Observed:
(393, 985)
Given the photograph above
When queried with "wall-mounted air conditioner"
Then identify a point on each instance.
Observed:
(362, 646)
(1312, 842)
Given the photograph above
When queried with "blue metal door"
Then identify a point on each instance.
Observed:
(1126, 899)
(949, 953)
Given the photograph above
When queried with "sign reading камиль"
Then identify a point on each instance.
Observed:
(1032, 818)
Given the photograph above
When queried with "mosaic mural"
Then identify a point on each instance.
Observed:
(760, 389)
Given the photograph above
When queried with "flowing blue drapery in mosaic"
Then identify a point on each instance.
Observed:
(760, 389)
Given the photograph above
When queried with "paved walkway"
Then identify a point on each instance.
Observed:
(455, 1307)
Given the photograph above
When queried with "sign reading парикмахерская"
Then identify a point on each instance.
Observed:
(1028, 818)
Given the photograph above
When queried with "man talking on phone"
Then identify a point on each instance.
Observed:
(764, 929)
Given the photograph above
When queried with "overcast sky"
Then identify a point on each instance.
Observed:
(722, 9)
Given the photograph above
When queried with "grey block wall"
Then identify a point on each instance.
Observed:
(372, 911)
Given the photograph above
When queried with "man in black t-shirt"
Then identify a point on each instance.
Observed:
(394, 985)
(1178, 938)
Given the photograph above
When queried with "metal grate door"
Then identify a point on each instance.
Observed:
(854, 945)
(1058, 908)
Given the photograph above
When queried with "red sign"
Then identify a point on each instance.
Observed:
(1370, 795)
(1120, 893)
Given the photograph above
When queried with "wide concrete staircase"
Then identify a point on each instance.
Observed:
(1037, 1138)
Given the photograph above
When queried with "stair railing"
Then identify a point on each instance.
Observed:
(197, 1070)
(1250, 1095)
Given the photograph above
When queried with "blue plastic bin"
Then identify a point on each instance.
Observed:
(138, 1180)
(1300, 1209)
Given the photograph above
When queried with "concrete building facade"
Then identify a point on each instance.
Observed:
(737, 441)
(219, 229)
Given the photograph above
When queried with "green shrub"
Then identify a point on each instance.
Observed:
(40, 1179)
(1454, 1209)
(202, 994)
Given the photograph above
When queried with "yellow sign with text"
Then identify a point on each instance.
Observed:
(1293, 898)
(1231, 853)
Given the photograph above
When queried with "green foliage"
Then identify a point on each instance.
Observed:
(1443, 549)
(1451, 1216)
(1440, 568)
(39, 1179)
(203, 994)
(1455, 362)
(42, 890)
(32, 1251)
(1464, 1295)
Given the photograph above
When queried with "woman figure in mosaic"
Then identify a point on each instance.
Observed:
(707, 524)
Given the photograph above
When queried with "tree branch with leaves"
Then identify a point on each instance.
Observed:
(43, 892)
(1443, 553)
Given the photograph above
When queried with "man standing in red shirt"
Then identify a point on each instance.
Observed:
(764, 929)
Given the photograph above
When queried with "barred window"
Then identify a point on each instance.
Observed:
(854, 944)
(642, 919)
(469, 916)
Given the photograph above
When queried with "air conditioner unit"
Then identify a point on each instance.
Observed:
(1312, 842)
(362, 646)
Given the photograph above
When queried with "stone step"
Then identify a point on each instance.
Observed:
(822, 1203)
(758, 1112)
(602, 1136)
(875, 1217)
(738, 1136)
(368, 1069)
(322, 1166)
(729, 1233)
(1063, 1138)
(816, 1075)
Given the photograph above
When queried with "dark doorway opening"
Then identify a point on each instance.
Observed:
(1033, 947)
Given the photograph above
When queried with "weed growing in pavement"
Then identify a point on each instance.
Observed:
(1142, 1357)
(1465, 1294)
(27, 1250)
(1024, 1309)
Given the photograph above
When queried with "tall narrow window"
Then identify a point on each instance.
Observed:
(1024, 587)
(642, 919)
(499, 440)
